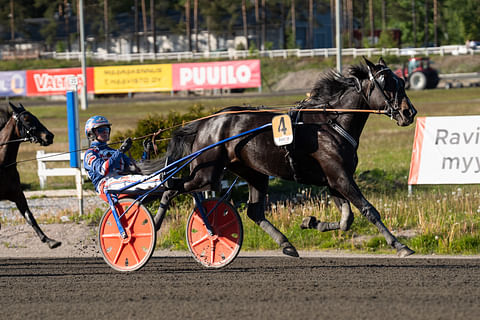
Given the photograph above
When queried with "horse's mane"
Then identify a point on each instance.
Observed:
(240, 108)
(332, 84)
(5, 114)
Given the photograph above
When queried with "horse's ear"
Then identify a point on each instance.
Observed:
(370, 67)
(370, 64)
(22, 108)
(14, 108)
(382, 62)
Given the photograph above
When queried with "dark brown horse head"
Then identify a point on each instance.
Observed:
(28, 126)
(387, 92)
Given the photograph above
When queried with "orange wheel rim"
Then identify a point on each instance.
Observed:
(222, 247)
(134, 251)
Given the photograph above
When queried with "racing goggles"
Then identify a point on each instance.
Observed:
(101, 130)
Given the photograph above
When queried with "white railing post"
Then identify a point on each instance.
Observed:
(41, 168)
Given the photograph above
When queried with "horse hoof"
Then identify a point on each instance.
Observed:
(405, 252)
(290, 251)
(309, 223)
(52, 244)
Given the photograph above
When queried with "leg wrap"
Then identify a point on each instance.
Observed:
(276, 235)
(256, 212)
(371, 214)
(327, 226)
(162, 210)
(347, 217)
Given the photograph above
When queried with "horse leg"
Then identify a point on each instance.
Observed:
(349, 189)
(167, 196)
(201, 178)
(256, 212)
(22, 206)
(344, 224)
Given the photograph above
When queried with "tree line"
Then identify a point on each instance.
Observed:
(416, 22)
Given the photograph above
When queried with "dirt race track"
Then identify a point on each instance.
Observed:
(250, 288)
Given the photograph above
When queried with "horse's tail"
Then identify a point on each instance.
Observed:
(182, 141)
(180, 145)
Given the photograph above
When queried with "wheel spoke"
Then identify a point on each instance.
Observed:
(227, 243)
(141, 235)
(225, 225)
(202, 239)
(212, 252)
(110, 235)
(134, 252)
(198, 217)
(133, 217)
(115, 260)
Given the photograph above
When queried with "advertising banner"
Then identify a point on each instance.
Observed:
(216, 75)
(12, 83)
(446, 151)
(56, 81)
(137, 78)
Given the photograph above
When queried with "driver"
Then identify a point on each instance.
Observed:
(107, 168)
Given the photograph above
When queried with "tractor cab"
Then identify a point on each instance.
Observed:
(418, 74)
(417, 64)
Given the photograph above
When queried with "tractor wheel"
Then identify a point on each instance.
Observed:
(418, 81)
(432, 79)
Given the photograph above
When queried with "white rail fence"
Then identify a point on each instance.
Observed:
(242, 54)
(44, 172)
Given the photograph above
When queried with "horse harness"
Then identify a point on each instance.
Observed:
(295, 114)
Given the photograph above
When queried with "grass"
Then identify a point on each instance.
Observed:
(435, 219)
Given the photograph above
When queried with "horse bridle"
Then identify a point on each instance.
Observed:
(25, 131)
(392, 106)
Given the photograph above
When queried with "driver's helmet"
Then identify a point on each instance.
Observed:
(95, 122)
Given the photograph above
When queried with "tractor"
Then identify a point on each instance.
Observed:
(418, 74)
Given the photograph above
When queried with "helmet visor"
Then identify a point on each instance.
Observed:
(101, 130)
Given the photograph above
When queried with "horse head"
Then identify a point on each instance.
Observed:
(386, 91)
(29, 127)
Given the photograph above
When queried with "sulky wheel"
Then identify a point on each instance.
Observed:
(135, 250)
(221, 248)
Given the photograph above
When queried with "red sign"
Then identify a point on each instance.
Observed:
(56, 81)
(216, 75)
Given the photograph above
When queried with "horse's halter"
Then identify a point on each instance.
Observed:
(25, 131)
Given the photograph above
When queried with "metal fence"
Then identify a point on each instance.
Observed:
(242, 54)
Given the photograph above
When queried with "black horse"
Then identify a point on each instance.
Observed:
(323, 153)
(18, 125)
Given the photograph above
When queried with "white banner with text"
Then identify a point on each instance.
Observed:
(446, 150)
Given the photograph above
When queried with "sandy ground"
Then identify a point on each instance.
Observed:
(249, 288)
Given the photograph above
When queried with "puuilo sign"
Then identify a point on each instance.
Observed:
(216, 75)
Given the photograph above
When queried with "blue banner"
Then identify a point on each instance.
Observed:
(12, 83)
